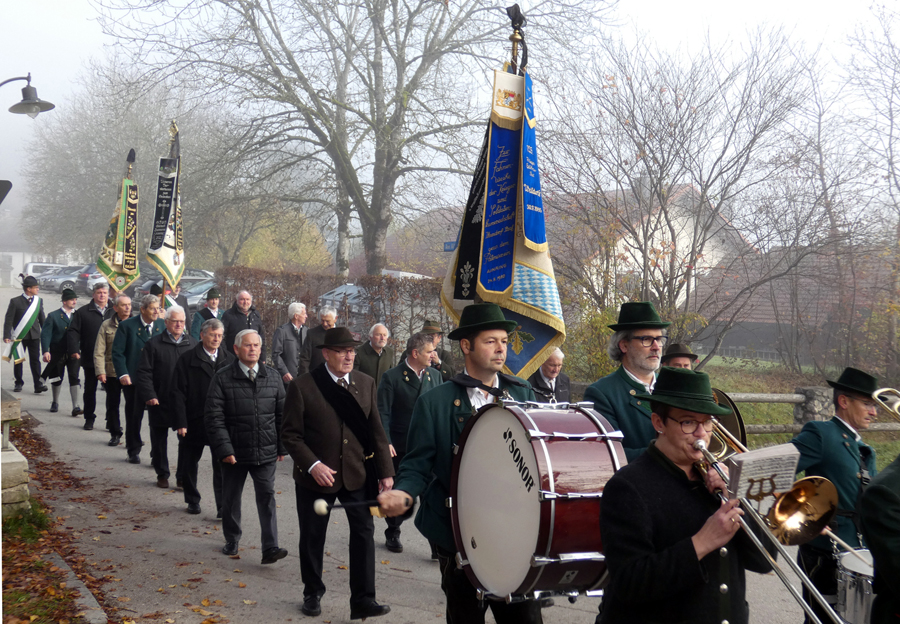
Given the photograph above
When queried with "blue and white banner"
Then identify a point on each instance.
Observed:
(502, 254)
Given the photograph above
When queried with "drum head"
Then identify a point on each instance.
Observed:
(496, 502)
(849, 562)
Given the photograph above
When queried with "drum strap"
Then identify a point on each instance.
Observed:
(470, 382)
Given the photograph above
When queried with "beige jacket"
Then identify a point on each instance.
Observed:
(103, 347)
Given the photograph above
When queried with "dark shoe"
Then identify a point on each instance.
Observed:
(373, 609)
(89, 425)
(546, 602)
(114, 440)
(271, 555)
(163, 483)
(40, 388)
(311, 606)
(18, 387)
(76, 411)
(393, 544)
(54, 407)
(219, 513)
(230, 549)
(194, 508)
(178, 484)
(134, 459)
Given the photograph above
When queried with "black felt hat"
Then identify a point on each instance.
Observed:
(479, 317)
(855, 380)
(338, 337)
(638, 315)
(29, 281)
(686, 389)
(68, 293)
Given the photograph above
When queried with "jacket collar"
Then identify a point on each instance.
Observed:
(236, 310)
(631, 382)
(238, 373)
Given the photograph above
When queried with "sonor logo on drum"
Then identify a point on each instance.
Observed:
(519, 460)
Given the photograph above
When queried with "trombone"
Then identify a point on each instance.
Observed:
(889, 400)
(804, 511)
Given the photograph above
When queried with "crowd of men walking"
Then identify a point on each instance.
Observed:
(360, 425)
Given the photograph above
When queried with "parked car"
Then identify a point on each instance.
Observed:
(196, 295)
(36, 269)
(89, 273)
(62, 279)
(189, 278)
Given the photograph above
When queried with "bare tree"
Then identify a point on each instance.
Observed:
(377, 90)
(875, 75)
(661, 164)
(75, 169)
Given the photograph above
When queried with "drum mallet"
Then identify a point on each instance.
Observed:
(322, 507)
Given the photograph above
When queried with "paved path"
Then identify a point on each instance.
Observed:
(166, 564)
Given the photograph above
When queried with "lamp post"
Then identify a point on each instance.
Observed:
(31, 104)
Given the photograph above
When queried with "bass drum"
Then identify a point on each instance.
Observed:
(525, 499)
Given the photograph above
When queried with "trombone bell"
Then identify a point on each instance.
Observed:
(801, 513)
(889, 400)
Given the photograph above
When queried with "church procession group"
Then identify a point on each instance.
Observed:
(362, 425)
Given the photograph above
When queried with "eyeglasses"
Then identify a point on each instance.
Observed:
(871, 406)
(690, 426)
(646, 341)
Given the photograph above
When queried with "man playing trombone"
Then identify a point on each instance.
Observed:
(673, 550)
(834, 449)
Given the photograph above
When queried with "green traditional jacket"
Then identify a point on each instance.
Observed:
(437, 422)
(54, 330)
(398, 391)
(829, 449)
(614, 397)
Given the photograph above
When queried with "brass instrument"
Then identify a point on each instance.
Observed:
(889, 400)
(803, 512)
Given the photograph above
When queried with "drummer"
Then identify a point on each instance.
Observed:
(879, 510)
(437, 421)
(673, 550)
(834, 449)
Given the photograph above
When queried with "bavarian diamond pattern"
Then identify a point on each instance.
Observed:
(536, 289)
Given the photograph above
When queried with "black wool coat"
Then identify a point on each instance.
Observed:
(649, 512)
(83, 330)
(155, 375)
(311, 357)
(563, 393)
(235, 322)
(194, 373)
(243, 418)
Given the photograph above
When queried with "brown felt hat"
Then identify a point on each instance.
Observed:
(678, 350)
(338, 337)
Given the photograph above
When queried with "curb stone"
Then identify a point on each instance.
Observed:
(88, 607)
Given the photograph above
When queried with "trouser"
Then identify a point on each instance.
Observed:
(134, 418)
(313, 528)
(463, 606)
(72, 367)
(189, 456)
(393, 524)
(821, 568)
(114, 391)
(233, 478)
(33, 347)
(159, 451)
(90, 389)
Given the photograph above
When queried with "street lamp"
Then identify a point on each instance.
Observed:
(31, 104)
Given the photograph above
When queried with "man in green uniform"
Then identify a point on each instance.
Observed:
(400, 387)
(54, 345)
(437, 422)
(834, 449)
(637, 343)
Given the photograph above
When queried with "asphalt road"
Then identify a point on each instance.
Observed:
(167, 565)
